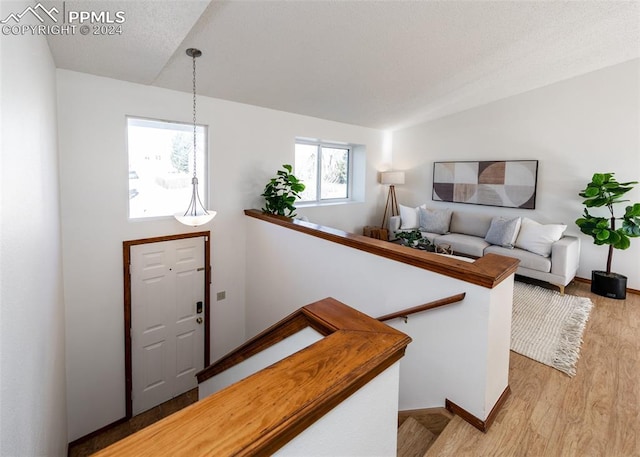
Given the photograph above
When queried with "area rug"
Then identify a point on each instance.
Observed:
(547, 327)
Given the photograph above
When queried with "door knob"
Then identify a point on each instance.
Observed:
(199, 320)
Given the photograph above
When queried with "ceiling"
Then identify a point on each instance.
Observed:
(380, 64)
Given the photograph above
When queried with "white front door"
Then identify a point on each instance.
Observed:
(167, 319)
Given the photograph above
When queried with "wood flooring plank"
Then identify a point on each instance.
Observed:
(413, 439)
(625, 422)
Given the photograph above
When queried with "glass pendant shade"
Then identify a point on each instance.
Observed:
(194, 221)
(196, 214)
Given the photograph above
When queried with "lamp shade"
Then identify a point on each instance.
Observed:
(392, 177)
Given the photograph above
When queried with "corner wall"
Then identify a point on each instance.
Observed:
(247, 145)
(33, 417)
(577, 127)
(452, 349)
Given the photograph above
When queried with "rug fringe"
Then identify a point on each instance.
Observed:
(568, 350)
(547, 327)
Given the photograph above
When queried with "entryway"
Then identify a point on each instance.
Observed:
(166, 317)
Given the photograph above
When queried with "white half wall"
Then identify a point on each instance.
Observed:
(365, 424)
(33, 411)
(575, 128)
(247, 145)
(453, 347)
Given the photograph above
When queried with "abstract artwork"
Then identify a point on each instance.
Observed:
(510, 183)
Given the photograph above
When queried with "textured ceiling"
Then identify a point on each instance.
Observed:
(381, 64)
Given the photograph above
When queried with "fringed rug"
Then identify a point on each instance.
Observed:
(547, 327)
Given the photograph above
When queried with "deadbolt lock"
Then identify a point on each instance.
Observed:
(199, 320)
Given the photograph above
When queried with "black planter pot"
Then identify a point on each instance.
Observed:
(610, 285)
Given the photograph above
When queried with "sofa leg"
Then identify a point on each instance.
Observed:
(561, 287)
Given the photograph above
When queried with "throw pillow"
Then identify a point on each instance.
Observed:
(503, 232)
(538, 238)
(434, 220)
(408, 217)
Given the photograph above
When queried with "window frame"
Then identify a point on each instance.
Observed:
(319, 144)
(204, 181)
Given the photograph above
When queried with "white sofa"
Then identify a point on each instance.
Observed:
(545, 253)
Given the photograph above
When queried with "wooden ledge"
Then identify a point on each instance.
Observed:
(487, 271)
(261, 413)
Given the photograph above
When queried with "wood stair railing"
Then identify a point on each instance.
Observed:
(250, 417)
(405, 313)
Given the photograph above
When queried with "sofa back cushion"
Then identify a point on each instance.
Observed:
(434, 220)
(503, 232)
(470, 224)
(409, 217)
(538, 238)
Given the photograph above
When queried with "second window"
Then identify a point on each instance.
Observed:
(324, 168)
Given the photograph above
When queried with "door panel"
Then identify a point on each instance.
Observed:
(167, 281)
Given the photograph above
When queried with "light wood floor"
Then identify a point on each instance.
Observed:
(596, 413)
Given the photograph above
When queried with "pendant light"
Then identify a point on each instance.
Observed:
(195, 214)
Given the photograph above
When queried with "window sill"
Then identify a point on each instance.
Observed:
(326, 203)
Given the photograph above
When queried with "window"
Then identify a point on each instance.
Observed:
(325, 169)
(161, 166)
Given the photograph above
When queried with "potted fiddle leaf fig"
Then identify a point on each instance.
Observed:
(281, 192)
(605, 191)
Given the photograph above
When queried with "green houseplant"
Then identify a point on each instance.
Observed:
(605, 191)
(281, 192)
(414, 239)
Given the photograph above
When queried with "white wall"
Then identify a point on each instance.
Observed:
(575, 128)
(33, 419)
(247, 145)
(453, 347)
(364, 425)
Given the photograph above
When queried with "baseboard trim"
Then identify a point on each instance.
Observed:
(588, 281)
(482, 425)
(95, 433)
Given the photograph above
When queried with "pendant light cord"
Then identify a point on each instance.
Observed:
(196, 214)
(194, 117)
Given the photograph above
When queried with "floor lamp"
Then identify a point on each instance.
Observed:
(391, 178)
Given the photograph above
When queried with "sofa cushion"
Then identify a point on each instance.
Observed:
(434, 220)
(527, 259)
(470, 224)
(409, 217)
(503, 232)
(538, 238)
(463, 244)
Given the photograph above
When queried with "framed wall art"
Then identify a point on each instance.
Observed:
(509, 183)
